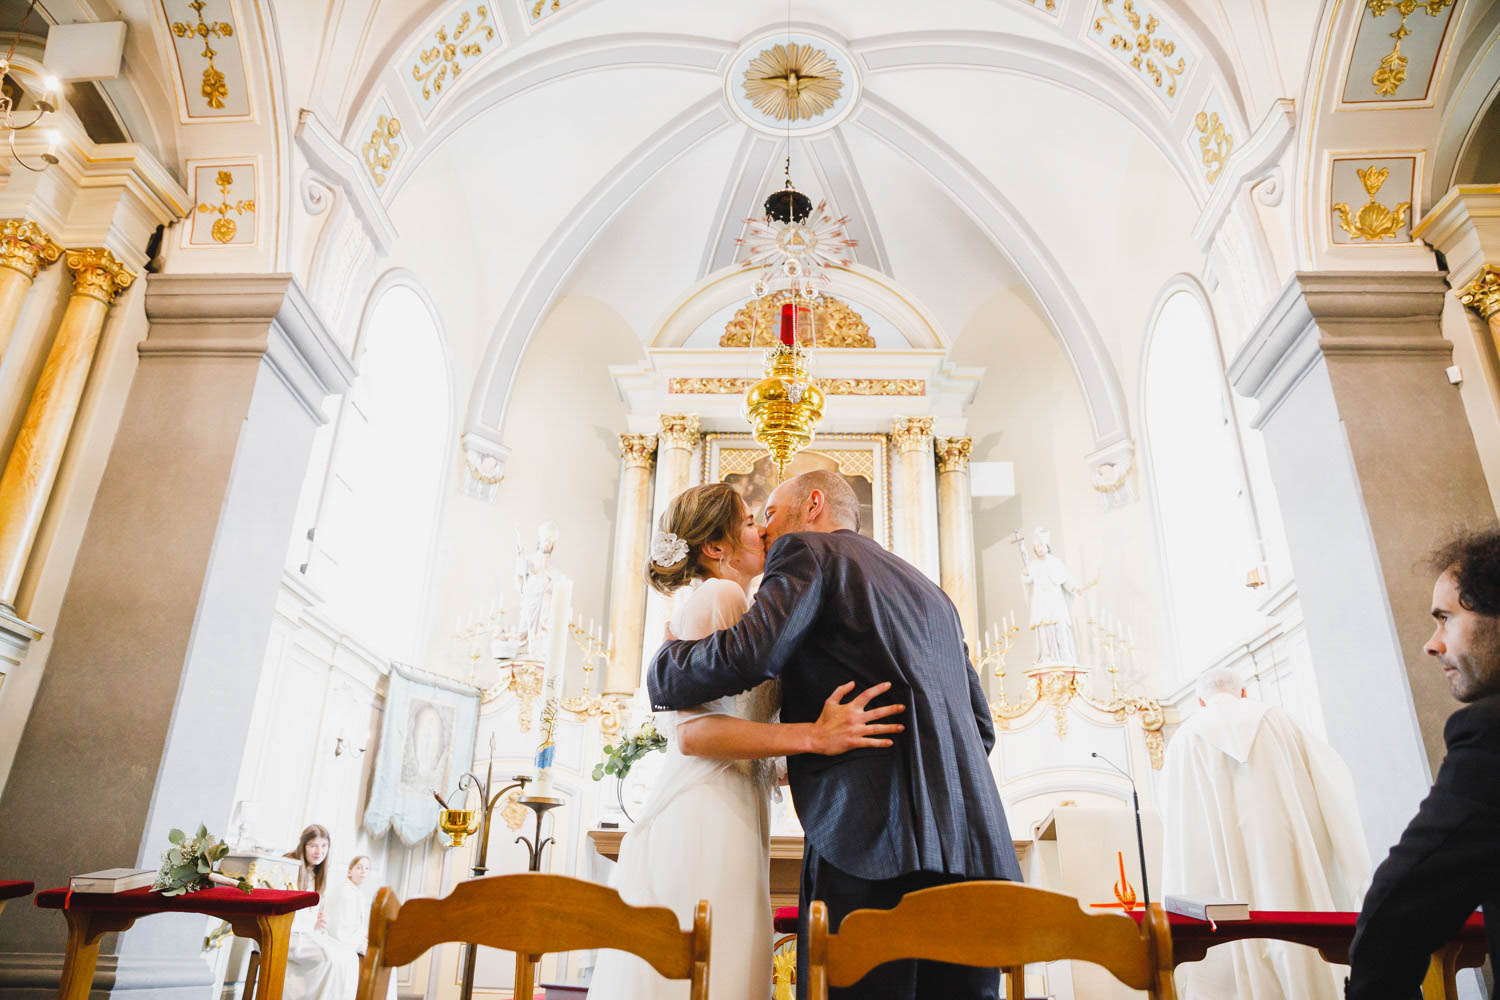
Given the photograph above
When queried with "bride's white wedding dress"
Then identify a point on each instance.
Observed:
(704, 834)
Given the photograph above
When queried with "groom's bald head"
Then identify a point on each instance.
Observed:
(814, 501)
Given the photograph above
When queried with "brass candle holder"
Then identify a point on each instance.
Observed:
(587, 706)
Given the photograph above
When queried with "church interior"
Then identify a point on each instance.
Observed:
(352, 353)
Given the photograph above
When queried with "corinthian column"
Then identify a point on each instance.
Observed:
(24, 246)
(1483, 296)
(912, 437)
(679, 436)
(956, 533)
(627, 582)
(38, 452)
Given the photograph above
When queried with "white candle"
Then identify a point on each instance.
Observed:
(552, 676)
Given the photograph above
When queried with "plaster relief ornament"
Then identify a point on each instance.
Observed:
(1375, 221)
(792, 82)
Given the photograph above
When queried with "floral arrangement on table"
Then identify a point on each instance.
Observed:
(619, 758)
(188, 865)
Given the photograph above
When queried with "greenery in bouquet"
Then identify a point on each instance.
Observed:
(619, 758)
(188, 865)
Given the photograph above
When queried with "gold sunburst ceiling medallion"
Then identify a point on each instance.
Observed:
(793, 82)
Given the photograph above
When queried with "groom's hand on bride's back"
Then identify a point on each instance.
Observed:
(843, 726)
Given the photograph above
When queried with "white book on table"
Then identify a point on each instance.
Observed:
(1210, 908)
(113, 880)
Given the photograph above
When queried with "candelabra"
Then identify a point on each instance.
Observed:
(476, 633)
(594, 647)
(43, 106)
(996, 645)
(1113, 639)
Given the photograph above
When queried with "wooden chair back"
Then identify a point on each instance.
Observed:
(532, 914)
(990, 924)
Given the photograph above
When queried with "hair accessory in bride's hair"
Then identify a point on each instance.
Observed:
(667, 549)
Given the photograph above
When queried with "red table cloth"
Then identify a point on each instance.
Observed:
(784, 919)
(220, 901)
(15, 890)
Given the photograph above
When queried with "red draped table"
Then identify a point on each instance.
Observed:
(264, 916)
(13, 890)
(1330, 933)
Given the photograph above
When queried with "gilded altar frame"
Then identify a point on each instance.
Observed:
(857, 457)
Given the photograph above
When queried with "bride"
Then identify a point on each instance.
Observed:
(705, 831)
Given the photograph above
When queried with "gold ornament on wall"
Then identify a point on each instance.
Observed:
(224, 227)
(953, 454)
(792, 82)
(1483, 293)
(638, 450)
(215, 89)
(835, 324)
(25, 246)
(98, 273)
(1153, 55)
(382, 149)
(445, 59)
(1214, 142)
(1374, 221)
(912, 434)
(830, 386)
(1391, 73)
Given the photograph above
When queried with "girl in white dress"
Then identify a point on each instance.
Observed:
(318, 965)
(705, 831)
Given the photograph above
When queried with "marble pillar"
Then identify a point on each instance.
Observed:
(24, 247)
(1373, 463)
(678, 437)
(144, 713)
(627, 586)
(960, 577)
(37, 455)
(917, 490)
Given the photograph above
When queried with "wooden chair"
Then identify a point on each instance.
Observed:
(1000, 924)
(532, 914)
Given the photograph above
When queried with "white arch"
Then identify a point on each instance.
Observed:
(1011, 235)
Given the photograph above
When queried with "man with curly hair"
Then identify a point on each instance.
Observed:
(1447, 862)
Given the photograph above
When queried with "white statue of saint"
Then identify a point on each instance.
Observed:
(1050, 589)
(534, 580)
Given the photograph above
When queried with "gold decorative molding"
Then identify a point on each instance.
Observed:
(953, 454)
(1058, 686)
(1152, 54)
(830, 386)
(1214, 142)
(835, 323)
(224, 228)
(98, 274)
(793, 82)
(215, 88)
(1391, 73)
(451, 50)
(637, 451)
(382, 149)
(1483, 293)
(25, 246)
(680, 430)
(1050, 5)
(912, 434)
(1374, 221)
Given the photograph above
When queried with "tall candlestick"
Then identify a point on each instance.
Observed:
(552, 677)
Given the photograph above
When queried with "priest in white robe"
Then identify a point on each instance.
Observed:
(1257, 811)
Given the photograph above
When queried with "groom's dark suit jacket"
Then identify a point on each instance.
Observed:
(838, 607)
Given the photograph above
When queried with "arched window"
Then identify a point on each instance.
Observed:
(372, 544)
(1205, 519)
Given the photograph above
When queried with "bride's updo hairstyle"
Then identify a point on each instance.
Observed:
(697, 516)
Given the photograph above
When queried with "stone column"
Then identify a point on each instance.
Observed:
(1373, 463)
(912, 437)
(144, 712)
(24, 246)
(38, 452)
(627, 581)
(678, 437)
(956, 533)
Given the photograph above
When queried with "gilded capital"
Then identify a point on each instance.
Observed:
(637, 450)
(98, 274)
(953, 454)
(911, 434)
(680, 430)
(1483, 293)
(25, 246)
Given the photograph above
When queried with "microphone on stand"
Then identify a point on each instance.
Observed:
(1140, 836)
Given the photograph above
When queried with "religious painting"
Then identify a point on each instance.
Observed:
(860, 459)
(429, 744)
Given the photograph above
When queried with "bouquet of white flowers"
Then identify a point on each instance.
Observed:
(188, 865)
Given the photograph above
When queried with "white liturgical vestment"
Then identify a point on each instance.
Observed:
(1255, 810)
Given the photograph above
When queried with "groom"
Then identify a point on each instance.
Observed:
(834, 606)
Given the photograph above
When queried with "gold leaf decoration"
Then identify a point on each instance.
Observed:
(793, 82)
(445, 60)
(1391, 73)
(834, 323)
(224, 228)
(1215, 143)
(215, 89)
(382, 149)
(830, 386)
(1374, 221)
(1152, 54)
